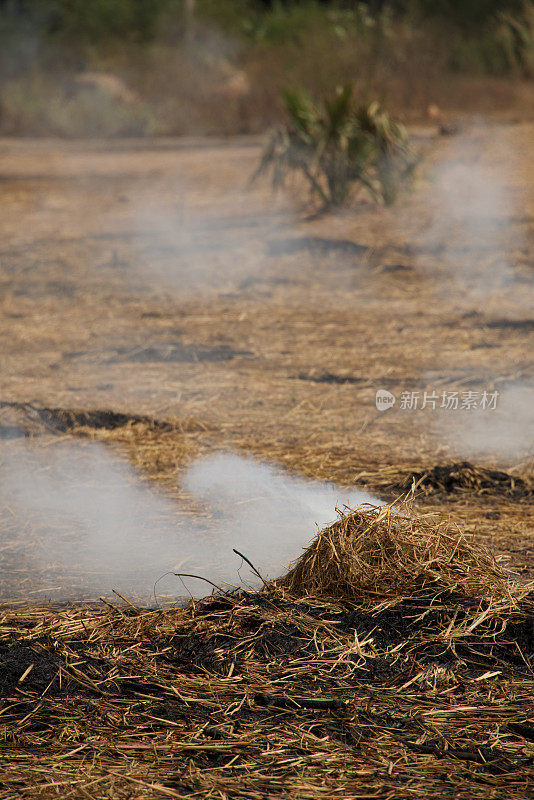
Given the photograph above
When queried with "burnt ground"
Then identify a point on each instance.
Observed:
(262, 695)
(154, 301)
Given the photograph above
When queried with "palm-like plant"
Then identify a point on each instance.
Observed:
(339, 147)
(517, 36)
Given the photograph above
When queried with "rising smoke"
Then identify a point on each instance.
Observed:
(505, 433)
(470, 231)
(183, 242)
(471, 243)
(85, 521)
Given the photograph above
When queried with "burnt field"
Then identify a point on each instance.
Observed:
(189, 366)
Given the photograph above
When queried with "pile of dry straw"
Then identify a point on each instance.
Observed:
(387, 554)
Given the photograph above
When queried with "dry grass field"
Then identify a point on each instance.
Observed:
(154, 301)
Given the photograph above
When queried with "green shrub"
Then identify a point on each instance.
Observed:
(339, 147)
(517, 37)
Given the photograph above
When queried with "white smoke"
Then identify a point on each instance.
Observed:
(268, 514)
(82, 518)
(183, 242)
(505, 433)
(469, 240)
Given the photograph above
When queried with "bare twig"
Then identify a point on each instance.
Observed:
(251, 565)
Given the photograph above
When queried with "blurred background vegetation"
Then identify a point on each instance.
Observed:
(134, 67)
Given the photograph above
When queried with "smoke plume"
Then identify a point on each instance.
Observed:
(505, 433)
(85, 523)
(471, 232)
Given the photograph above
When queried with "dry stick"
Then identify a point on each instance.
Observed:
(156, 583)
(252, 567)
(185, 575)
(199, 577)
(125, 600)
(110, 605)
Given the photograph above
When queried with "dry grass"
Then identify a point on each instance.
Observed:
(428, 693)
(390, 554)
(256, 695)
(457, 478)
(157, 448)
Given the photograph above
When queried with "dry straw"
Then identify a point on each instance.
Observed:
(387, 554)
(258, 695)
